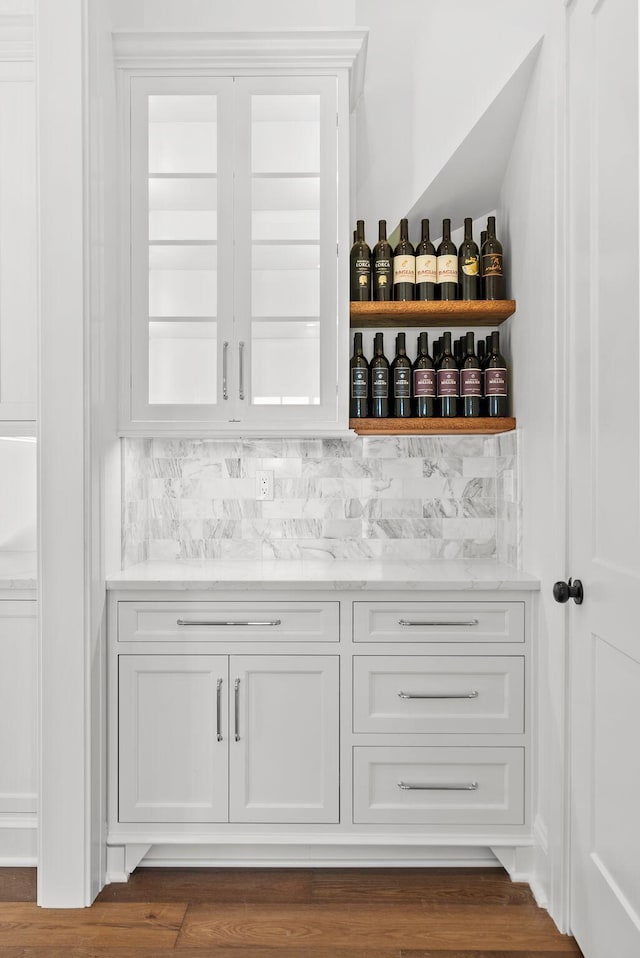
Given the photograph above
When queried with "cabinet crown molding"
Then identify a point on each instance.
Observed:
(242, 52)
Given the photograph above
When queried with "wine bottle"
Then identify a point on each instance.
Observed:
(483, 239)
(487, 349)
(492, 265)
(437, 351)
(400, 378)
(448, 380)
(404, 266)
(447, 264)
(468, 263)
(379, 377)
(426, 272)
(382, 266)
(495, 380)
(359, 376)
(480, 352)
(424, 380)
(457, 352)
(470, 380)
(360, 262)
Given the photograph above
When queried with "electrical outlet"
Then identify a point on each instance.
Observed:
(264, 485)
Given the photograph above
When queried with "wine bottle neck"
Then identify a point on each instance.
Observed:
(360, 231)
(382, 230)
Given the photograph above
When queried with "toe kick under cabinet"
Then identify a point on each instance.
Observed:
(354, 719)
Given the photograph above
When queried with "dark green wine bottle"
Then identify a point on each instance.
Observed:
(424, 380)
(404, 266)
(400, 379)
(470, 380)
(426, 270)
(382, 266)
(447, 264)
(492, 263)
(379, 378)
(360, 266)
(359, 376)
(496, 386)
(468, 263)
(448, 380)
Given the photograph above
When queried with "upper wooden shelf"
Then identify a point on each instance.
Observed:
(457, 312)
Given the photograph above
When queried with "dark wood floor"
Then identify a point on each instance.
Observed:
(286, 913)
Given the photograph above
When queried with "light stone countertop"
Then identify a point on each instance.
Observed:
(18, 572)
(433, 575)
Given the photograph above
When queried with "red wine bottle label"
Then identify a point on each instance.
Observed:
(380, 384)
(495, 382)
(404, 269)
(492, 264)
(448, 383)
(424, 383)
(426, 270)
(359, 382)
(471, 382)
(402, 383)
(447, 269)
(470, 265)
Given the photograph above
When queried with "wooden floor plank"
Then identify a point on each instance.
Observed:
(233, 951)
(417, 926)
(436, 885)
(125, 925)
(18, 884)
(266, 885)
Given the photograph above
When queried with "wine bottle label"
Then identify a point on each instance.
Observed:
(424, 383)
(448, 383)
(382, 273)
(492, 264)
(447, 269)
(404, 269)
(359, 382)
(470, 265)
(495, 382)
(402, 383)
(471, 382)
(426, 271)
(380, 384)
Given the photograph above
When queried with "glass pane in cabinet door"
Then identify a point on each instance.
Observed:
(285, 363)
(285, 208)
(182, 363)
(183, 209)
(183, 281)
(182, 134)
(285, 281)
(285, 133)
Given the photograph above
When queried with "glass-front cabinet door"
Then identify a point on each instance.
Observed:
(234, 302)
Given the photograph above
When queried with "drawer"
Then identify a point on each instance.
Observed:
(438, 621)
(438, 693)
(438, 786)
(228, 622)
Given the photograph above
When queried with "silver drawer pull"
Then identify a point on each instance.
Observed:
(439, 695)
(219, 709)
(224, 624)
(444, 786)
(467, 622)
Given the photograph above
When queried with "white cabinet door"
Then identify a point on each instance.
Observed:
(234, 268)
(284, 739)
(19, 707)
(173, 749)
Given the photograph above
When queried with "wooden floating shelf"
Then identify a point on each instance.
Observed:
(459, 426)
(456, 312)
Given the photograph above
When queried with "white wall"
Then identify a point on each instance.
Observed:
(530, 214)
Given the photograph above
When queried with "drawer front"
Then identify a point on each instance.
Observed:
(228, 622)
(438, 693)
(438, 786)
(438, 621)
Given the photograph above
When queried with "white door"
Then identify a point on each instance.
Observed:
(284, 750)
(172, 738)
(605, 476)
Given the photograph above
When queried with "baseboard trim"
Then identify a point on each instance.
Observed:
(18, 841)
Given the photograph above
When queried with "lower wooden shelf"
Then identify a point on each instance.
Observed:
(432, 427)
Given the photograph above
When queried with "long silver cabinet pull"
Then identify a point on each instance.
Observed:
(224, 624)
(467, 622)
(441, 786)
(241, 367)
(236, 693)
(219, 709)
(439, 695)
(225, 356)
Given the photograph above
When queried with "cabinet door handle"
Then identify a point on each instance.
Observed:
(439, 695)
(241, 368)
(440, 786)
(219, 709)
(236, 694)
(221, 624)
(467, 622)
(225, 356)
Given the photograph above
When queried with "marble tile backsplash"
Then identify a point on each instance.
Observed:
(394, 497)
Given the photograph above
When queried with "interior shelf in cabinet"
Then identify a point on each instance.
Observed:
(438, 313)
(432, 427)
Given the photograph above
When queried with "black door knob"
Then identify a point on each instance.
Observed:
(563, 591)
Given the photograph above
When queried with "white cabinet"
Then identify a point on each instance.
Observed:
(236, 200)
(240, 738)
